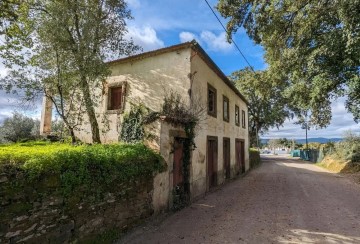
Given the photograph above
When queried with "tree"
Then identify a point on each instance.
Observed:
(85, 33)
(274, 143)
(9, 13)
(59, 128)
(19, 127)
(315, 45)
(285, 142)
(267, 106)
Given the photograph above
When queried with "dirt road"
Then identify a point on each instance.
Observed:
(282, 201)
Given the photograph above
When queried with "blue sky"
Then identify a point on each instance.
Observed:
(163, 23)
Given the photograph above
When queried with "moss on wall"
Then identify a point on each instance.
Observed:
(73, 193)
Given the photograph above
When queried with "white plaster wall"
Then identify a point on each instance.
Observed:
(215, 126)
(148, 80)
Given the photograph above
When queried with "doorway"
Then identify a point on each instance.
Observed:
(226, 157)
(178, 176)
(240, 154)
(212, 152)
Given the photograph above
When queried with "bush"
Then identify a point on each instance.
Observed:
(348, 149)
(254, 157)
(95, 168)
(19, 128)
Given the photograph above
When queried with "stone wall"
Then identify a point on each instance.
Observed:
(41, 213)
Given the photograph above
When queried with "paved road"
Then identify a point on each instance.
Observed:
(282, 201)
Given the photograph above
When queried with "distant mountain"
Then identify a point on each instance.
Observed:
(316, 139)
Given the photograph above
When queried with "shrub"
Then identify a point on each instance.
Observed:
(92, 168)
(19, 128)
(254, 157)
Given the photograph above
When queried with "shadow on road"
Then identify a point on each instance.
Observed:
(285, 200)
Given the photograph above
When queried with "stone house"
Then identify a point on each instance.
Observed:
(222, 136)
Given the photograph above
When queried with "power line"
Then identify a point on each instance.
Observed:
(237, 47)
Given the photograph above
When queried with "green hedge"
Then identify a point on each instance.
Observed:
(254, 157)
(91, 168)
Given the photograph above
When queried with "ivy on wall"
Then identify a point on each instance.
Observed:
(132, 129)
(175, 112)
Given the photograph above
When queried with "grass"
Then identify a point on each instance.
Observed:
(20, 153)
(333, 164)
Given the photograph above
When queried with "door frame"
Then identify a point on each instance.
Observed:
(178, 140)
(215, 163)
(227, 165)
(174, 135)
(241, 163)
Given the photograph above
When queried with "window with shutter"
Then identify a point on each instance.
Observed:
(211, 101)
(243, 118)
(226, 109)
(237, 115)
(115, 98)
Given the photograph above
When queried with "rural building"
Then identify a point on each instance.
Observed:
(221, 137)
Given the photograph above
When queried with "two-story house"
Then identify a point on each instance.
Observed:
(222, 136)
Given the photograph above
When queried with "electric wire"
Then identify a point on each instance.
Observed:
(232, 40)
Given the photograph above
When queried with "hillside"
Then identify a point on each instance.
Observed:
(315, 139)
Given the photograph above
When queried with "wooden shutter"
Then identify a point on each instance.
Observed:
(116, 97)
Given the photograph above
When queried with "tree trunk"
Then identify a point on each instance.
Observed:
(72, 134)
(90, 111)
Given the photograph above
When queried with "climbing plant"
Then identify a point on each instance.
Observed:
(177, 113)
(132, 128)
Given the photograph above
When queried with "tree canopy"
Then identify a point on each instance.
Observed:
(267, 105)
(19, 128)
(314, 45)
(58, 47)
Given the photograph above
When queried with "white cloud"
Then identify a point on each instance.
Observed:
(187, 36)
(145, 37)
(216, 42)
(341, 121)
(212, 41)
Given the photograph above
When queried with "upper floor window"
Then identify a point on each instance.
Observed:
(237, 115)
(116, 96)
(243, 119)
(226, 108)
(211, 101)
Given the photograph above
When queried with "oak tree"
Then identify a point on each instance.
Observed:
(267, 107)
(315, 45)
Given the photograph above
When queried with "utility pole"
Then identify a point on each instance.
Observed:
(306, 134)
(257, 138)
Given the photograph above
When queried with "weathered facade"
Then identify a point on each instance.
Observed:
(221, 137)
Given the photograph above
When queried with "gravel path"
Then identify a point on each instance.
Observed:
(282, 201)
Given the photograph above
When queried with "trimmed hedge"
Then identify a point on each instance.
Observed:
(254, 157)
(93, 168)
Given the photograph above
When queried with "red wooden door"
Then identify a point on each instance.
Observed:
(226, 156)
(178, 162)
(212, 161)
(242, 158)
(240, 155)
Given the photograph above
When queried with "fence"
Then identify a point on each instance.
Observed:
(312, 155)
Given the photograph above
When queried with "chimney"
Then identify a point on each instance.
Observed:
(46, 114)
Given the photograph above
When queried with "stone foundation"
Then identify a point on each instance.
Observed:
(40, 213)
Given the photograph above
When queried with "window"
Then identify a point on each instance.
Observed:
(115, 98)
(226, 108)
(237, 115)
(243, 119)
(211, 101)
